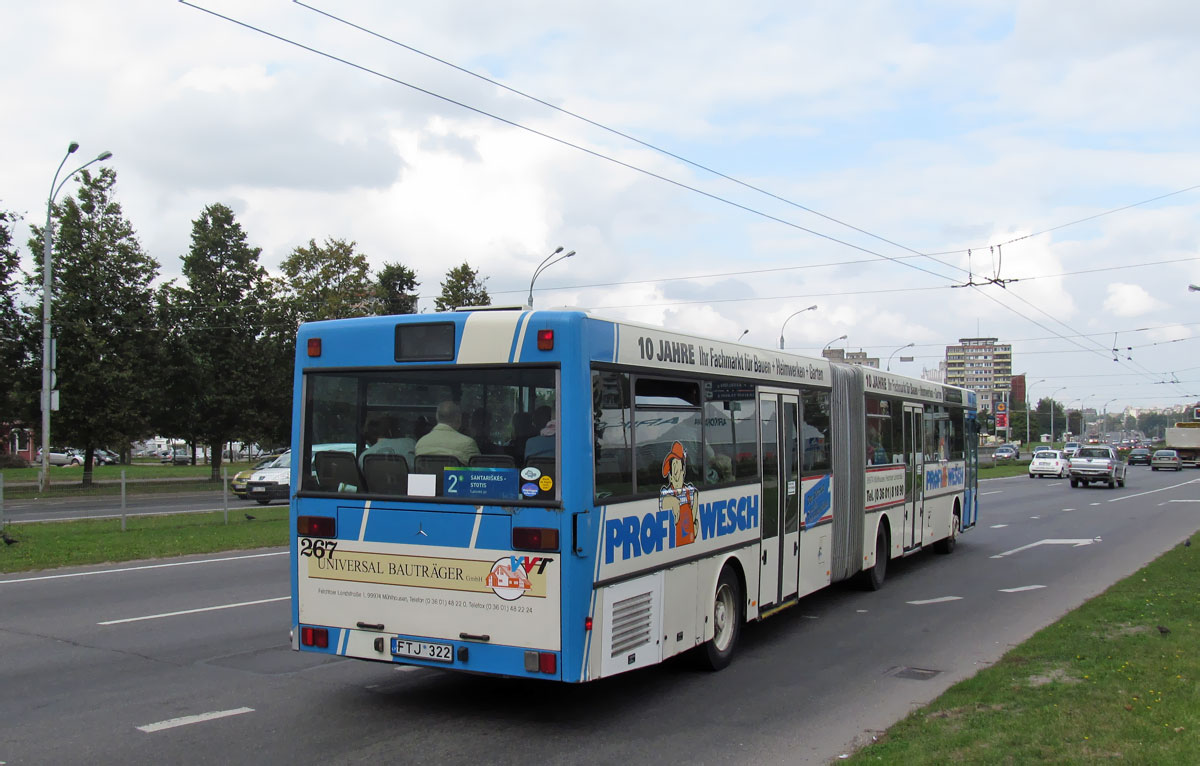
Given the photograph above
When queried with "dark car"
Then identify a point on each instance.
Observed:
(1139, 456)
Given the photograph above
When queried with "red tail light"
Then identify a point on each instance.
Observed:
(314, 346)
(316, 526)
(318, 637)
(547, 662)
(535, 539)
(545, 340)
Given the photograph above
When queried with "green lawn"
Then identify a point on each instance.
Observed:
(1116, 680)
(70, 543)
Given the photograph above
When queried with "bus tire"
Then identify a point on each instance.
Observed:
(727, 620)
(946, 544)
(872, 579)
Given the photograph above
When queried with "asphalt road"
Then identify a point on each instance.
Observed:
(187, 660)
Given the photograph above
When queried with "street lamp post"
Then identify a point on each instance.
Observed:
(545, 264)
(1104, 419)
(830, 343)
(801, 311)
(897, 351)
(739, 340)
(1027, 387)
(1064, 388)
(47, 299)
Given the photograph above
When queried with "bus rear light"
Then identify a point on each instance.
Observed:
(314, 346)
(547, 662)
(318, 637)
(535, 539)
(545, 340)
(316, 526)
(587, 623)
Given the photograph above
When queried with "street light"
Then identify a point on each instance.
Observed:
(741, 336)
(889, 364)
(1027, 387)
(1104, 419)
(801, 311)
(545, 264)
(47, 299)
(1064, 388)
(1194, 288)
(830, 343)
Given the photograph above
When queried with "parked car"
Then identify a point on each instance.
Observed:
(1138, 456)
(238, 484)
(105, 456)
(62, 456)
(178, 456)
(1005, 452)
(1166, 459)
(1097, 463)
(1048, 462)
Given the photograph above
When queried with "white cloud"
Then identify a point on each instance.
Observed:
(941, 128)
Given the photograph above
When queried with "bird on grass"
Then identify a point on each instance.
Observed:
(8, 540)
(249, 517)
(1163, 629)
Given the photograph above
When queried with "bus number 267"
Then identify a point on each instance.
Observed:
(318, 548)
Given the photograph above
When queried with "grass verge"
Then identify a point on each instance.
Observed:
(72, 543)
(1118, 679)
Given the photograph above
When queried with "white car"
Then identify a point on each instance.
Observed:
(1049, 462)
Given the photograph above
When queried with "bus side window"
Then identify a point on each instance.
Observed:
(612, 444)
(816, 435)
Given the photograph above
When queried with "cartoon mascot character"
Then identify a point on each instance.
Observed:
(677, 497)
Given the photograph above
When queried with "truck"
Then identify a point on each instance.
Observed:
(1098, 463)
(1184, 438)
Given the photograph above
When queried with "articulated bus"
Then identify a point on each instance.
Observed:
(554, 495)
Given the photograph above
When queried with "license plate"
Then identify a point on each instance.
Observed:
(258, 489)
(422, 650)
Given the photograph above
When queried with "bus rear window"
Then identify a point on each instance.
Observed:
(469, 435)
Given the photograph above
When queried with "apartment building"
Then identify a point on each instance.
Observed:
(982, 365)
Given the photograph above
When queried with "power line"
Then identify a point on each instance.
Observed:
(600, 155)
(563, 142)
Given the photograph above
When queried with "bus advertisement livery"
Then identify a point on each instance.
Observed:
(555, 495)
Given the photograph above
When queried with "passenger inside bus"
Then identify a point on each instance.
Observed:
(445, 438)
(543, 444)
(383, 436)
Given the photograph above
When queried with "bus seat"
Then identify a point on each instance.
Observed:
(436, 463)
(336, 471)
(544, 464)
(385, 474)
(493, 461)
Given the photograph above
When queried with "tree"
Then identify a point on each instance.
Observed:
(396, 289)
(15, 359)
(328, 281)
(217, 322)
(103, 320)
(462, 287)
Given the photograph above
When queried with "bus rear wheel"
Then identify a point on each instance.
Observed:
(872, 579)
(946, 544)
(727, 620)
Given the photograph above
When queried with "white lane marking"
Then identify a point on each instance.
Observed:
(999, 526)
(1152, 491)
(1022, 588)
(1073, 543)
(936, 600)
(194, 611)
(1188, 500)
(145, 566)
(1094, 504)
(861, 611)
(407, 668)
(1035, 517)
(190, 719)
(993, 492)
(1067, 510)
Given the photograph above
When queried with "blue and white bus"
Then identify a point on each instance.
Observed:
(560, 496)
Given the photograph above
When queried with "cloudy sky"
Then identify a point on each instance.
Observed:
(860, 151)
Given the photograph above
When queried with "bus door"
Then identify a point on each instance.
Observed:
(780, 558)
(914, 475)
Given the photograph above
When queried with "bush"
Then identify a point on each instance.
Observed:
(9, 460)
